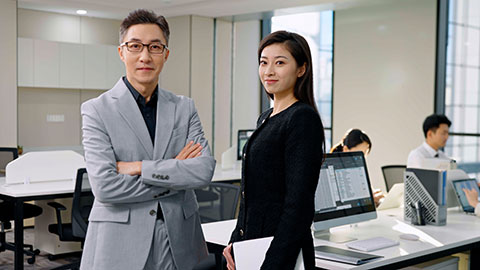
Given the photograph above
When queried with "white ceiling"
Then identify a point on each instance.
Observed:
(118, 9)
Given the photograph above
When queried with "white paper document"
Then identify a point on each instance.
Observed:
(250, 254)
(394, 197)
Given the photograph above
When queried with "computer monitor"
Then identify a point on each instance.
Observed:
(242, 138)
(343, 195)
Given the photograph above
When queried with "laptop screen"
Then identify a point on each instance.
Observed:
(458, 186)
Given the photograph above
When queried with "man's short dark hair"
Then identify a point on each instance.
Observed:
(433, 121)
(143, 16)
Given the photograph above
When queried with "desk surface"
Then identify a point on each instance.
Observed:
(40, 188)
(60, 187)
(461, 229)
(231, 174)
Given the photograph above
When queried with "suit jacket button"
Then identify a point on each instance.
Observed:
(241, 232)
(167, 177)
(154, 176)
(153, 212)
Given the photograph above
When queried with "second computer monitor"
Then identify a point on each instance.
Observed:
(343, 194)
(242, 138)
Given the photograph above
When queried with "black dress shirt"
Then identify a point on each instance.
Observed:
(280, 172)
(148, 109)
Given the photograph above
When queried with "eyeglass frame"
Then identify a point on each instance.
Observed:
(143, 46)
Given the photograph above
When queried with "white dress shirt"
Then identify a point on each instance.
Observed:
(424, 151)
(477, 210)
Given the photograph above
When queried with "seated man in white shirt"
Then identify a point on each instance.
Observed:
(435, 128)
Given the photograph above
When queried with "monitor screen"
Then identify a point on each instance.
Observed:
(243, 136)
(343, 194)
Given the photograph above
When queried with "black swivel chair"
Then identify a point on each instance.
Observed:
(7, 209)
(393, 174)
(218, 201)
(77, 230)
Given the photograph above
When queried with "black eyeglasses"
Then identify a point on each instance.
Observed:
(153, 48)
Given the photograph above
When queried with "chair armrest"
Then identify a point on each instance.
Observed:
(58, 208)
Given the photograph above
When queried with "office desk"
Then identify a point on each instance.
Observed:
(231, 175)
(461, 233)
(64, 189)
(32, 192)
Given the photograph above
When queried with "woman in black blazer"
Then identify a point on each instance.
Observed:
(282, 159)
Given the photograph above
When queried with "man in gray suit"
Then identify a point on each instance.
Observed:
(145, 151)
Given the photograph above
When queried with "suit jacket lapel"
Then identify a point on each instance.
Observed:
(165, 123)
(129, 110)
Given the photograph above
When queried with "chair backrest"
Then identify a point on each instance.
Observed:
(393, 174)
(218, 201)
(7, 154)
(81, 206)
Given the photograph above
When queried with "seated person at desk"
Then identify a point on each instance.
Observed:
(472, 197)
(435, 129)
(357, 140)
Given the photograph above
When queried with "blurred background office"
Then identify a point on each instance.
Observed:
(381, 65)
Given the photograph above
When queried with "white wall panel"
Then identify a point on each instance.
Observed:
(384, 77)
(246, 85)
(8, 76)
(202, 71)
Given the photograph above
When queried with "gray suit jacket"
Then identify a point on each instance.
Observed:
(121, 226)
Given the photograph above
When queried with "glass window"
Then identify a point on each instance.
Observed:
(317, 29)
(462, 88)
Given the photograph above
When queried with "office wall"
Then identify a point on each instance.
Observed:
(223, 87)
(202, 71)
(175, 76)
(8, 76)
(67, 28)
(384, 74)
(225, 100)
(34, 104)
(246, 85)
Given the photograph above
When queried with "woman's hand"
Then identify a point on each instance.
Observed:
(378, 196)
(472, 196)
(227, 253)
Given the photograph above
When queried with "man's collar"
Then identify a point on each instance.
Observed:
(136, 94)
(430, 149)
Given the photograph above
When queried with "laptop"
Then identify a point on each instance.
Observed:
(458, 186)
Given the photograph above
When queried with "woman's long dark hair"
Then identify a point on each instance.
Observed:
(299, 49)
(352, 138)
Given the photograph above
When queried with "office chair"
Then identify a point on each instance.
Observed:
(7, 210)
(77, 230)
(393, 174)
(218, 201)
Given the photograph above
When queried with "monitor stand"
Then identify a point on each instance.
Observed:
(335, 238)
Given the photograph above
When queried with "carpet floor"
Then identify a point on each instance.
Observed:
(41, 261)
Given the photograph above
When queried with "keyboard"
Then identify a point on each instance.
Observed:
(372, 244)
